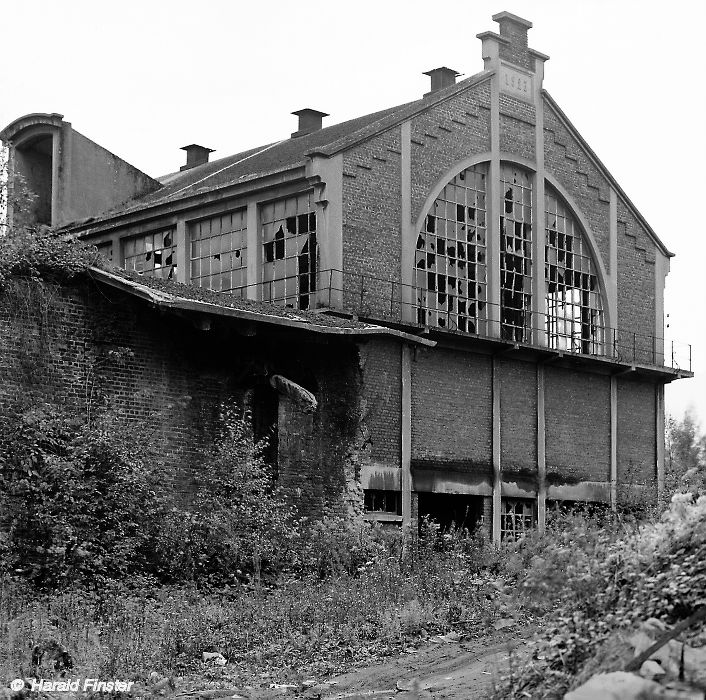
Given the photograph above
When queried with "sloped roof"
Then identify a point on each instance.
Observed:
(281, 155)
(169, 294)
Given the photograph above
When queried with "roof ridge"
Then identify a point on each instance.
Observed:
(412, 108)
(286, 153)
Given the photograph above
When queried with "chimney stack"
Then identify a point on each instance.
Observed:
(195, 155)
(513, 28)
(441, 78)
(310, 120)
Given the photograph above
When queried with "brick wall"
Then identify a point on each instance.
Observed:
(517, 126)
(452, 410)
(565, 159)
(371, 210)
(516, 51)
(446, 134)
(518, 417)
(577, 419)
(380, 364)
(637, 448)
(98, 347)
(636, 288)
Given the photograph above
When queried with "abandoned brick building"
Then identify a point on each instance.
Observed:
(446, 308)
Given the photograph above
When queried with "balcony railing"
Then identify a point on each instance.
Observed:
(387, 301)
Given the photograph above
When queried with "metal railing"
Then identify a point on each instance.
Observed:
(388, 301)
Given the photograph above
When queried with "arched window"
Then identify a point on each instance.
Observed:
(516, 254)
(451, 256)
(451, 265)
(574, 312)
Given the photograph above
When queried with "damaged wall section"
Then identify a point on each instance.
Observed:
(169, 376)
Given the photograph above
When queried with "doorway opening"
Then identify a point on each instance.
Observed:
(461, 511)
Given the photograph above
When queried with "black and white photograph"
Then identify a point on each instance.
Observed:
(352, 350)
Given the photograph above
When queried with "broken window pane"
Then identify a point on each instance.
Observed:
(451, 253)
(291, 251)
(516, 254)
(517, 516)
(574, 312)
(381, 501)
(151, 254)
(219, 257)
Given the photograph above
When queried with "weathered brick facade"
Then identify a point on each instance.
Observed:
(91, 348)
(513, 297)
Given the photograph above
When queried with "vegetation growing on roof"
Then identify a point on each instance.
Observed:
(35, 251)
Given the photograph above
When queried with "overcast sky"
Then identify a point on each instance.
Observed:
(143, 78)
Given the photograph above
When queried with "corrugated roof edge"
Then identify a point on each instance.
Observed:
(599, 164)
(291, 318)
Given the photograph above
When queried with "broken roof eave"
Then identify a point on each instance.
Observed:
(175, 302)
(604, 170)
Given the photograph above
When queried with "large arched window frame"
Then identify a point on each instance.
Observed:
(567, 315)
(451, 255)
(573, 303)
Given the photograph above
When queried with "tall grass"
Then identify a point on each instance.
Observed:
(301, 626)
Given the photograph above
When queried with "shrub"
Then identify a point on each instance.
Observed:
(239, 524)
(74, 501)
(595, 578)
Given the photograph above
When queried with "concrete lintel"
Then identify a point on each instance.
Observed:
(590, 491)
(380, 476)
(373, 517)
(438, 480)
(517, 489)
(622, 372)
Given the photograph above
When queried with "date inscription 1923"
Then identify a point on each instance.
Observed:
(516, 83)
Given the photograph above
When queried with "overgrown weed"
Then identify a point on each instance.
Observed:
(305, 624)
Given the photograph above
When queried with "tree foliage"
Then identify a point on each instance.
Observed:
(685, 455)
(74, 502)
(239, 523)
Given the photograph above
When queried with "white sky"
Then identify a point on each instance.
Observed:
(143, 78)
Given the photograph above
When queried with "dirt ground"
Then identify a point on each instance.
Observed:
(442, 669)
(439, 670)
